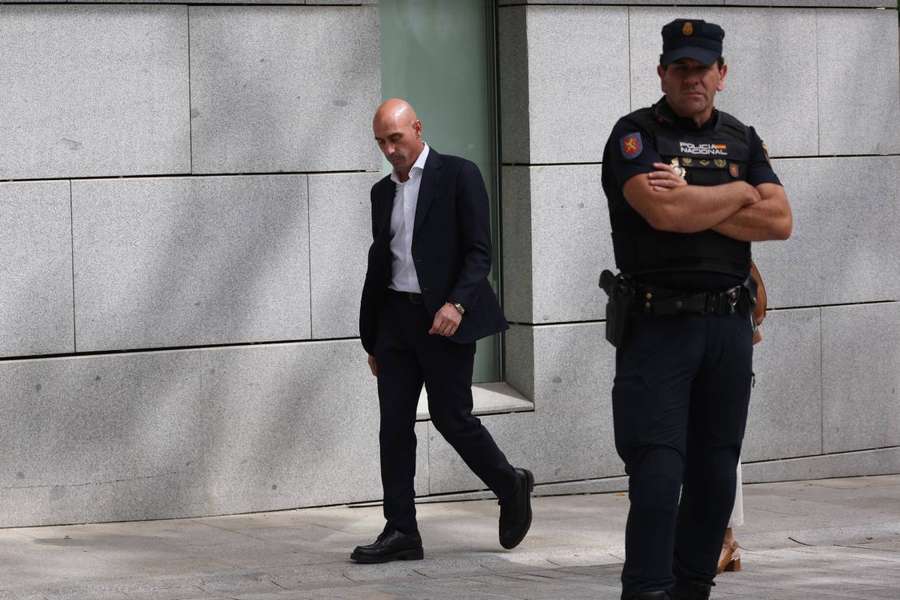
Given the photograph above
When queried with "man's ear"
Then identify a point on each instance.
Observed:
(723, 73)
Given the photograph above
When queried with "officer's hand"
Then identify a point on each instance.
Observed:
(665, 178)
(373, 365)
(446, 321)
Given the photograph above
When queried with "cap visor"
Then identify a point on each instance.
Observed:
(707, 57)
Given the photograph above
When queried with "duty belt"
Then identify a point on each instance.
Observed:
(663, 302)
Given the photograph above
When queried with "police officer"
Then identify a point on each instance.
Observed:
(689, 187)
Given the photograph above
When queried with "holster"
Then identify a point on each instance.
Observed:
(620, 291)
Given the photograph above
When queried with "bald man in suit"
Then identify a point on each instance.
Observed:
(426, 300)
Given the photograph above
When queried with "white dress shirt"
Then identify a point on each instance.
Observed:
(403, 217)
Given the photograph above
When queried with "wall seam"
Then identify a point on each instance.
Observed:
(190, 98)
(309, 252)
(818, 78)
(822, 380)
(628, 44)
(72, 249)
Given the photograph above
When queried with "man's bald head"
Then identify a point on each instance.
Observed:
(399, 134)
(395, 110)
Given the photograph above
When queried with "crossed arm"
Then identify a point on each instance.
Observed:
(737, 209)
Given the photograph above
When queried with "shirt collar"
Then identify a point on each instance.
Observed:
(665, 114)
(419, 165)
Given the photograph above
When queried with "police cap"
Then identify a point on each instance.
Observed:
(691, 38)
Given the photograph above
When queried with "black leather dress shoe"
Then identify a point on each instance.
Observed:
(390, 545)
(515, 512)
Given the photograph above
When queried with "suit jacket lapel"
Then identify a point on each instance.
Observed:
(427, 187)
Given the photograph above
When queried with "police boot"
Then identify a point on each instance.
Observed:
(651, 596)
(690, 590)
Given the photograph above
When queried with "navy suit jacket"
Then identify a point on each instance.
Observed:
(451, 249)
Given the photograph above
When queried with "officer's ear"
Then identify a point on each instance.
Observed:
(661, 71)
(723, 73)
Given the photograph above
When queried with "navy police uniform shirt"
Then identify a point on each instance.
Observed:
(631, 151)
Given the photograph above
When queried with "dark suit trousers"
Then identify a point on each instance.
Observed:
(408, 357)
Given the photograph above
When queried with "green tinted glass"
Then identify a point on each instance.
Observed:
(439, 55)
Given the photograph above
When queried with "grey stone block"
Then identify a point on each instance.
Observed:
(519, 353)
(785, 417)
(861, 376)
(190, 261)
(517, 254)
(849, 464)
(577, 69)
(771, 83)
(552, 277)
(605, 2)
(817, 3)
(512, 55)
(93, 91)
(36, 315)
(340, 233)
(570, 244)
(188, 432)
(569, 435)
(844, 241)
(859, 83)
(297, 2)
(423, 435)
(284, 88)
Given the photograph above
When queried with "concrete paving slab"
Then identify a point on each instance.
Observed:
(825, 539)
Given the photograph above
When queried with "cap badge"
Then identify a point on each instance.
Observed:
(687, 28)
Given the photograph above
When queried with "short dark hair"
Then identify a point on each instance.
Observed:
(719, 61)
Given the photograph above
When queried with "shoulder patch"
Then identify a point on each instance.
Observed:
(631, 145)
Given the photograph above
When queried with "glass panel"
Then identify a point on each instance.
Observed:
(439, 54)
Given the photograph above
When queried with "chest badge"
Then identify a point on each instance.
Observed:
(734, 170)
(679, 170)
(704, 162)
(720, 162)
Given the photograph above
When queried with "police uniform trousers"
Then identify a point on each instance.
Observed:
(407, 357)
(680, 400)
